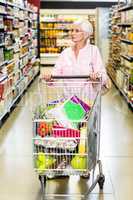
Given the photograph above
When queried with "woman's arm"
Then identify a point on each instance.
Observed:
(100, 70)
(98, 66)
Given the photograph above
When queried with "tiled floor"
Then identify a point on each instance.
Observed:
(17, 178)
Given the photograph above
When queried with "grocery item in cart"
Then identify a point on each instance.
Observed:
(44, 162)
(82, 143)
(56, 143)
(79, 162)
(44, 128)
(60, 131)
(72, 109)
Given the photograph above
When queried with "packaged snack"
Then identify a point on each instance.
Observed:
(59, 131)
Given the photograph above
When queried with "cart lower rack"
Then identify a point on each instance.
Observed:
(66, 132)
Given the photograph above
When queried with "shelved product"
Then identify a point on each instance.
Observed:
(54, 32)
(120, 67)
(18, 51)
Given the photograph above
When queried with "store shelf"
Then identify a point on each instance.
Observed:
(15, 100)
(9, 48)
(10, 61)
(2, 2)
(54, 29)
(125, 24)
(129, 58)
(22, 66)
(23, 35)
(125, 8)
(3, 63)
(126, 41)
(4, 13)
(9, 17)
(15, 5)
(121, 91)
(25, 44)
(113, 33)
(49, 54)
(24, 55)
(55, 21)
(7, 30)
(2, 44)
(116, 17)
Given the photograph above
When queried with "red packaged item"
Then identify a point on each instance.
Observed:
(59, 131)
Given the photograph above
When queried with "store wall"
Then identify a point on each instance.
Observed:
(102, 32)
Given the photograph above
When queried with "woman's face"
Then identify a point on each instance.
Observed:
(77, 34)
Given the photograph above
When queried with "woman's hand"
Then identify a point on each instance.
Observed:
(94, 76)
(47, 77)
(106, 87)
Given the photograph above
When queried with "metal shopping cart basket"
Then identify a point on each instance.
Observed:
(66, 130)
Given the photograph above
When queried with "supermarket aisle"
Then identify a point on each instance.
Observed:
(18, 180)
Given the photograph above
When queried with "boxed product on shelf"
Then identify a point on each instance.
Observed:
(8, 55)
(130, 35)
(16, 77)
(1, 22)
(2, 38)
(9, 40)
(2, 9)
(24, 50)
(35, 69)
(129, 16)
(130, 50)
(22, 29)
(24, 40)
(2, 107)
(124, 49)
(8, 23)
(128, 64)
(15, 92)
(9, 10)
(19, 2)
(119, 78)
(32, 52)
(16, 12)
(16, 23)
(126, 85)
(24, 61)
(28, 76)
(16, 56)
(1, 55)
(21, 86)
(10, 68)
(3, 85)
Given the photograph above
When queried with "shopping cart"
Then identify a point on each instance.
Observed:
(66, 130)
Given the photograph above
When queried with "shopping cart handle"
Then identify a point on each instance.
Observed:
(76, 77)
(71, 77)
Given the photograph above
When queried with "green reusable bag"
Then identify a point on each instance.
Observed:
(73, 111)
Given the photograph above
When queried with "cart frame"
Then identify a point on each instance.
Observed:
(96, 109)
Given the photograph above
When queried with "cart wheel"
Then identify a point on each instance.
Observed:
(42, 179)
(101, 181)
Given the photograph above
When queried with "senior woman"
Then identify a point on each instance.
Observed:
(82, 58)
